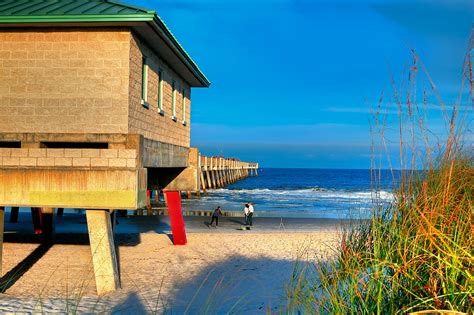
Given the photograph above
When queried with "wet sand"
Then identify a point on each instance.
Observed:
(219, 269)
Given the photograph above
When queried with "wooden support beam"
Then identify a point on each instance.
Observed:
(216, 178)
(203, 182)
(209, 181)
(213, 175)
(226, 176)
(221, 178)
(221, 166)
(104, 258)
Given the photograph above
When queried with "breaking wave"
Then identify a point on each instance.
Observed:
(311, 193)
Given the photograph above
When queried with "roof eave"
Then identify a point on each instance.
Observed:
(165, 33)
(75, 18)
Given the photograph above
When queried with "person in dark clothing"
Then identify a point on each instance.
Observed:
(215, 216)
(250, 215)
(246, 213)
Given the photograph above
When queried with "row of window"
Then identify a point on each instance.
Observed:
(160, 93)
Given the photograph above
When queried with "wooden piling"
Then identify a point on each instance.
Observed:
(217, 172)
(203, 182)
(213, 175)
(221, 177)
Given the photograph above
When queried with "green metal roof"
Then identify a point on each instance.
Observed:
(67, 7)
(35, 12)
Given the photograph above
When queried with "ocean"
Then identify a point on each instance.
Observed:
(304, 193)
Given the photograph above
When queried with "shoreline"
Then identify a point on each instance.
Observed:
(75, 223)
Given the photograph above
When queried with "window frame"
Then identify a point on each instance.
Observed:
(183, 106)
(173, 100)
(144, 87)
(160, 74)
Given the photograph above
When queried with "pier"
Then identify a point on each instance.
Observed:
(217, 172)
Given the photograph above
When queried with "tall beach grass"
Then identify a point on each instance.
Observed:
(415, 254)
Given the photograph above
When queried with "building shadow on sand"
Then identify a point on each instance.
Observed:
(237, 285)
(71, 229)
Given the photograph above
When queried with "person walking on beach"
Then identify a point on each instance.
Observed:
(246, 213)
(250, 215)
(215, 216)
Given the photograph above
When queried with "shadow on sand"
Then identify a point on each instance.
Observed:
(71, 229)
(238, 285)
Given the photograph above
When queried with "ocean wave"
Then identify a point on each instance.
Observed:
(311, 193)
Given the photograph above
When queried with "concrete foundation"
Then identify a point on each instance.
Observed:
(93, 188)
(104, 258)
(189, 178)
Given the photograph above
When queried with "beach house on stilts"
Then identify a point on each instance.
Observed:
(95, 101)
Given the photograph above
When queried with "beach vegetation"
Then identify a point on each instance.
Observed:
(415, 254)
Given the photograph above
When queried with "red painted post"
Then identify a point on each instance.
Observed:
(173, 201)
(37, 215)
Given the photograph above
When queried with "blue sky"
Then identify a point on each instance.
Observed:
(293, 80)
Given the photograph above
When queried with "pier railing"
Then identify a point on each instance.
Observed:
(217, 172)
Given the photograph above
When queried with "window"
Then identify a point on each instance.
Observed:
(160, 91)
(183, 104)
(173, 102)
(144, 82)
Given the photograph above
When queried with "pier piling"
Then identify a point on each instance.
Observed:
(218, 172)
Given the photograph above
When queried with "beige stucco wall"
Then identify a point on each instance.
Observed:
(64, 80)
(86, 81)
(148, 121)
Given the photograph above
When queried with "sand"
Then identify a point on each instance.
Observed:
(217, 271)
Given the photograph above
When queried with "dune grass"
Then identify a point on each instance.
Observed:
(416, 253)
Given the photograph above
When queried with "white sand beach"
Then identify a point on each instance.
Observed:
(218, 270)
